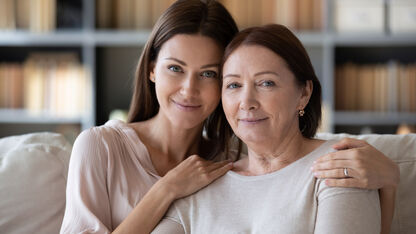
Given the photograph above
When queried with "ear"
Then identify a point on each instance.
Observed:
(306, 94)
(152, 72)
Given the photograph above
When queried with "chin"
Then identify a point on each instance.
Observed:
(186, 123)
(252, 137)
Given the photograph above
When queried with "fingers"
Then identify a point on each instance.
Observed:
(343, 154)
(348, 143)
(332, 164)
(345, 183)
(334, 174)
(221, 170)
(217, 165)
(208, 170)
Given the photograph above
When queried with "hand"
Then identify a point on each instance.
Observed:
(367, 167)
(193, 174)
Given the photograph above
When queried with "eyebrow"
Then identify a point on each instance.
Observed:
(231, 75)
(184, 64)
(266, 72)
(257, 74)
(177, 60)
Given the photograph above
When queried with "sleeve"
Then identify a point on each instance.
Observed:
(346, 210)
(87, 202)
(168, 225)
(171, 223)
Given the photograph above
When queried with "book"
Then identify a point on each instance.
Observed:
(286, 13)
(254, 13)
(318, 16)
(339, 88)
(305, 12)
(122, 14)
(7, 15)
(402, 16)
(359, 16)
(142, 14)
(103, 13)
(412, 87)
(42, 15)
(16, 86)
(158, 7)
(392, 86)
(351, 86)
(22, 14)
(3, 86)
(238, 10)
(267, 15)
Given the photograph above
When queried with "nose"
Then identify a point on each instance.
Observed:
(190, 86)
(248, 101)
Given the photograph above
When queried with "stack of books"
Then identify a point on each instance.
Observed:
(35, 15)
(384, 88)
(55, 84)
(129, 14)
(305, 15)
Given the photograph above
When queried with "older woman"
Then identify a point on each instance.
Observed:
(272, 101)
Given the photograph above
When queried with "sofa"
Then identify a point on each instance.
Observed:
(33, 175)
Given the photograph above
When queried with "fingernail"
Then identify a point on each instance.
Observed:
(311, 168)
(316, 174)
(314, 162)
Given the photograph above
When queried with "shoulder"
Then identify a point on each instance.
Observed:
(320, 147)
(96, 142)
(95, 136)
(110, 133)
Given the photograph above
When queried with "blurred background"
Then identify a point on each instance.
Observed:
(68, 65)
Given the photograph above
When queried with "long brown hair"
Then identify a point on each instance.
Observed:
(284, 43)
(207, 18)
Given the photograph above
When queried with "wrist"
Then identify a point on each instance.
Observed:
(166, 189)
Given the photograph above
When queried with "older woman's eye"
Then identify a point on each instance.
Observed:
(267, 83)
(209, 74)
(175, 68)
(233, 86)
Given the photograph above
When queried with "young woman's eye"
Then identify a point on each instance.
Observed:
(267, 83)
(209, 74)
(175, 68)
(233, 86)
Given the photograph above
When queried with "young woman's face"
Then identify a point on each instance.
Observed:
(260, 95)
(186, 79)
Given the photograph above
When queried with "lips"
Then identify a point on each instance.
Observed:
(186, 106)
(252, 120)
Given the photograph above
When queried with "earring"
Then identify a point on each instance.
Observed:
(152, 78)
(301, 112)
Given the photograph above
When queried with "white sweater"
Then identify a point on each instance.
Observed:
(289, 200)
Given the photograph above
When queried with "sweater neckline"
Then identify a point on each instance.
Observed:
(320, 148)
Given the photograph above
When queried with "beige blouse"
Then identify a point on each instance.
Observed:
(110, 171)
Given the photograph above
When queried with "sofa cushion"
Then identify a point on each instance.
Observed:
(402, 150)
(33, 174)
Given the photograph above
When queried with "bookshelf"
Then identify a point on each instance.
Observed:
(110, 54)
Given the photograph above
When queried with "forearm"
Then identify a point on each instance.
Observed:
(150, 210)
(387, 200)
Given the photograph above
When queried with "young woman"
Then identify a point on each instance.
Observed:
(123, 177)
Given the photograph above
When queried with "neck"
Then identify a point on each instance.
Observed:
(175, 142)
(274, 155)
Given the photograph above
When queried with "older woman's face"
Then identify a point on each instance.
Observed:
(260, 96)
